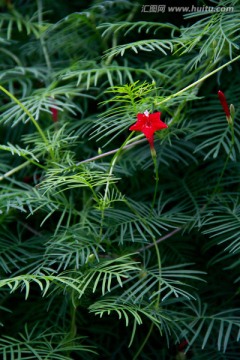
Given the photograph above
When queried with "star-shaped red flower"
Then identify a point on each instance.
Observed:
(148, 124)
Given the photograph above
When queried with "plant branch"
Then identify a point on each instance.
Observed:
(27, 112)
(42, 40)
(14, 170)
(198, 81)
(160, 240)
(129, 146)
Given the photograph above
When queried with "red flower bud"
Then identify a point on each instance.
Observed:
(224, 103)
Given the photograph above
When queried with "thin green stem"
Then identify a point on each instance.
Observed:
(198, 81)
(73, 328)
(20, 167)
(112, 164)
(155, 244)
(42, 40)
(156, 305)
(224, 167)
(114, 41)
(159, 270)
(154, 157)
(144, 342)
(114, 44)
(115, 157)
(26, 112)
(16, 169)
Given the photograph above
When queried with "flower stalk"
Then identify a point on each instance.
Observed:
(229, 112)
(148, 124)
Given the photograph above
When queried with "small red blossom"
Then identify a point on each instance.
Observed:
(183, 344)
(148, 124)
(31, 179)
(225, 106)
(54, 112)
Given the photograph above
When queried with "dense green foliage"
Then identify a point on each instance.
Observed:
(106, 253)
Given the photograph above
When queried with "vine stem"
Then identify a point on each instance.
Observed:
(144, 248)
(144, 342)
(97, 157)
(156, 305)
(155, 244)
(42, 40)
(198, 81)
(114, 159)
(112, 164)
(26, 112)
(17, 168)
(225, 165)
(73, 327)
(154, 158)
(20, 167)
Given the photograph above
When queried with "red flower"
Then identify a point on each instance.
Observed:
(224, 103)
(54, 112)
(148, 124)
(183, 344)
